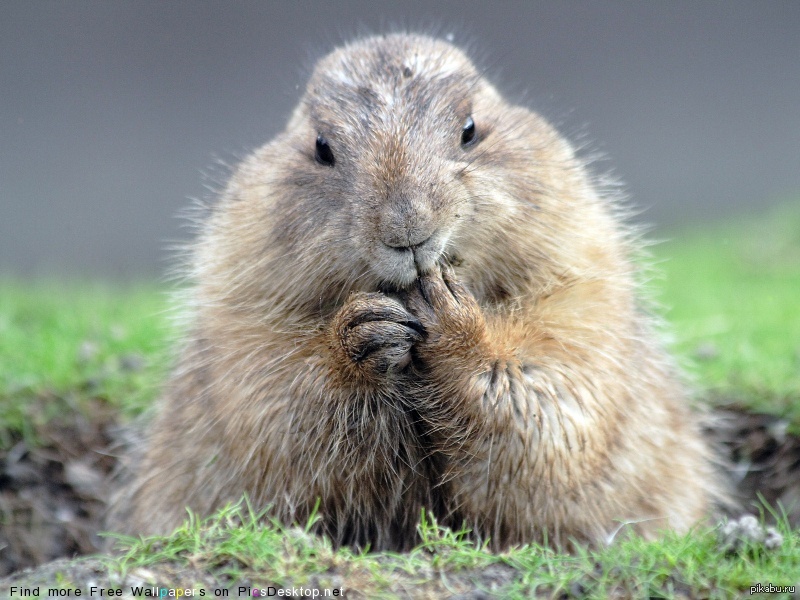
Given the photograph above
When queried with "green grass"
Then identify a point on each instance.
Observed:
(237, 546)
(731, 295)
(67, 346)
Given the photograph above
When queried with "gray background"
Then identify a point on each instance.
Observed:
(111, 111)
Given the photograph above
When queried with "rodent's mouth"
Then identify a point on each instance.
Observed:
(399, 266)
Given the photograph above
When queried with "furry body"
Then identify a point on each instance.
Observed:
(407, 316)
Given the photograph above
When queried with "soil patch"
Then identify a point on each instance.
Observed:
(53, 492)
(764, 460)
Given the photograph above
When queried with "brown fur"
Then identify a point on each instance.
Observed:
(422, 325)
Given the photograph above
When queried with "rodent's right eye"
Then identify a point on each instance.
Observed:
(324, 154)
(468, 136)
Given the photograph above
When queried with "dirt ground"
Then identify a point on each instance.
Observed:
(53, 493)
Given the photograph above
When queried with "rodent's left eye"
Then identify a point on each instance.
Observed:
(468, 136)
(324, 154)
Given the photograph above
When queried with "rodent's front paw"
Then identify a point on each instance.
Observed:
(450, 315)
(376, 333)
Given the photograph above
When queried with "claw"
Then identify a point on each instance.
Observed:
(416, 325)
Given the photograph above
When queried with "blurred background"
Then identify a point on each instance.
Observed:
(114, 114)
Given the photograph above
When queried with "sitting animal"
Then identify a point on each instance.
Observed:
(417, 297)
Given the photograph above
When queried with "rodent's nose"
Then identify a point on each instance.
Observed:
(403, 229)
(407, 221)
(413, 240)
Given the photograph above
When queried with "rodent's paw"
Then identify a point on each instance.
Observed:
(449, 314)
(376, 333)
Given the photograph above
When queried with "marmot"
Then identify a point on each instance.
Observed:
(417, 297)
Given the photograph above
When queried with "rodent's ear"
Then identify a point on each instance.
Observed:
(324, 154)
(468, 135)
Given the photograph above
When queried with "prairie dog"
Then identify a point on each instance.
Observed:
(416, 297)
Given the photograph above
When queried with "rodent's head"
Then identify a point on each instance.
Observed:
(401, 155)
(390, 126)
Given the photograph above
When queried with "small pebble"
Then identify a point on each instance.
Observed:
(131, 362)
(706, 351)
(87, 351)
(747, 531)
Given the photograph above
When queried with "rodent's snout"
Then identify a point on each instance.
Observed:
(410, 218)
(411, 239)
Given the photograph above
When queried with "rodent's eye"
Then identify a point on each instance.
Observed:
(468, 136)
(324, 154)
